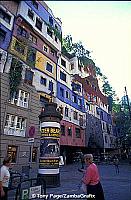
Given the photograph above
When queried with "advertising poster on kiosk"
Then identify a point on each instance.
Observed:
(49, 148)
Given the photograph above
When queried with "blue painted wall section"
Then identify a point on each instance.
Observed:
(69, 100)
(105, 116)
(43, 13)
(4, 45)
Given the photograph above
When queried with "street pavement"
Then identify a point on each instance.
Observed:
(115, 186)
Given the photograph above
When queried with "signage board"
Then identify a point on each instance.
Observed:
(52, 132)
(34, 191)
(49, 163)
(29, 193)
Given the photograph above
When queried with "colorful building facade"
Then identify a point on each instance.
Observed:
(30, 42)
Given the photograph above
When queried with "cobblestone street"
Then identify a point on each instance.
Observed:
(116, 186)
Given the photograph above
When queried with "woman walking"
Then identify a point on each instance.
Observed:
(4, 178)
(92, 179)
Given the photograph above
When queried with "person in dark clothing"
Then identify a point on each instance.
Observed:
(82, 160)
(116, 164)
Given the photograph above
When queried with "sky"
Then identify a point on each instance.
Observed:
(104, 27)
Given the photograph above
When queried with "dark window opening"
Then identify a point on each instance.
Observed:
(49, 67)
(30, 14)
(29, 77)
(12, 152)
(21, 31)
(5, 16)
(31, 56)
(66, 111)
(78, 133)
(61, 92)
(49, 32)
(62, 76)
(74, 99)
(2, 35)
(56, 27)
(69, 131)
(45, 48)
(35, 4)
(76, 87)
(63, 63)
(67, 94)
(43, 81)
(81, 122)
(50, 85)
(19, 47)
(38, 24)
(72, 66)
(51, 21)
(75, 115)
(62, 130)
(56, 39)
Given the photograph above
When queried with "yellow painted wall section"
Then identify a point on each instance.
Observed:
(41, 62)
(12, 49)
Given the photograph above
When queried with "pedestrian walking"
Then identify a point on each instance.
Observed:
(116, 164)
(82, 160)
(92, 179)
(4, 178)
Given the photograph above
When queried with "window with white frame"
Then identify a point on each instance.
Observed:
(62, 76)
(49, 67)
(5, 16)
(21, 123)
(45, 48)
(75, 115)
(23, 99)
(20, 98)
(13, 121)
(30, 14)
(15, 125)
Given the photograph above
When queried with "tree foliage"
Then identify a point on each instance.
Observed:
(76, 49)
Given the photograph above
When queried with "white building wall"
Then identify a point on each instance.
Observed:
(39, 86)
(23, 11)
(65, 70)
(76, 70)
(2, 21)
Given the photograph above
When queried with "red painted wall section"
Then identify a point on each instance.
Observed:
(88, 89)
(40, 42)
(72, 140)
